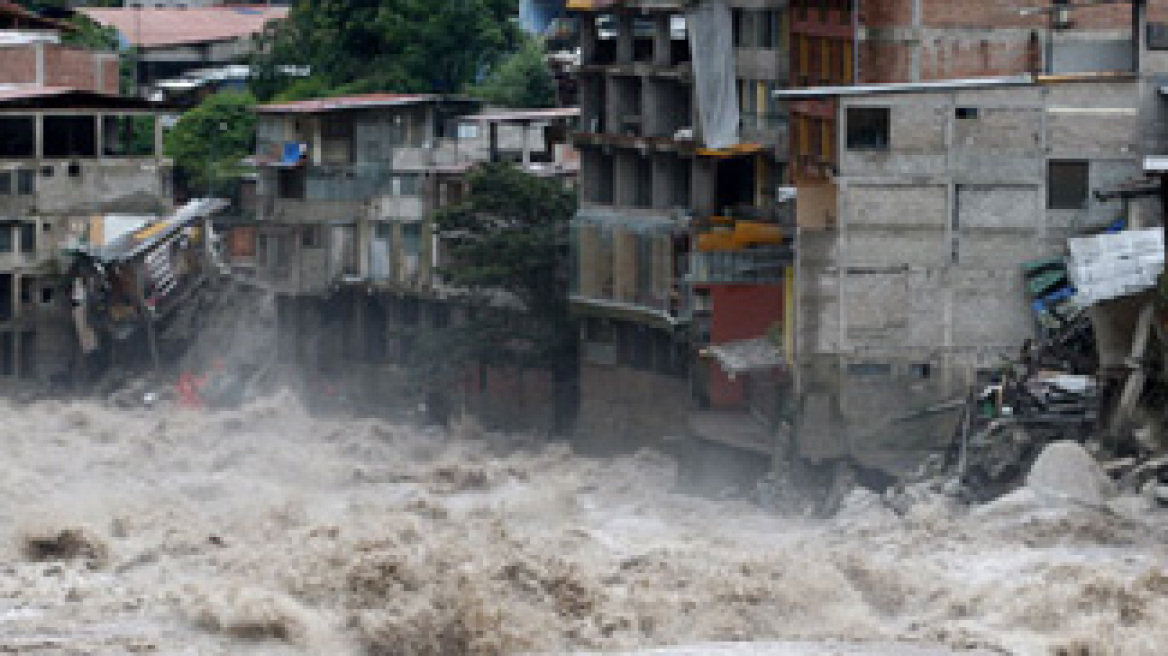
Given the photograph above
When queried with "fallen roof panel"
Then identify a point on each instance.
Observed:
(131, 245)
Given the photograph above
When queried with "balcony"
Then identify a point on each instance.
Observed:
(760, 265)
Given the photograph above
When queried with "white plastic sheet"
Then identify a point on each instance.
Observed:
(711, 42)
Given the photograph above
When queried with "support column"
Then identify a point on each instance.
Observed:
(625, 38)
(662, 40)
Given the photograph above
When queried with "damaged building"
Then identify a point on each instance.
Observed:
(930, 225)
(71, 163)
(680, 242)
(343, 231)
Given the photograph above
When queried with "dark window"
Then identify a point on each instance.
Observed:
(868, 128)
(70, 136)
(311, 237)
(28, 237)
(7, 354)
(1157, 36)
(1067, 185)
(291, 183)
(46, 295)
(48, 171)
(25, 182)
(869, 369)
(26, 289)
(6, 244)
(27, 354)
(966, 112)
(17, 139)
(5, 183)
(74, 170)
(922, 371)
(127, 136)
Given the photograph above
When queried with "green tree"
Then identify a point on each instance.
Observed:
(405, 46)
(507, 244)
(209, 142)
(521, 80)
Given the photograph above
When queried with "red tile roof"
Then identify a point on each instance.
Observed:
(364, 101)
(159, 28)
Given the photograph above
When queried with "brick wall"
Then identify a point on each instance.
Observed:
(739, 312)
(18, 65)
(65, 66)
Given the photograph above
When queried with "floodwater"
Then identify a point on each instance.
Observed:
(266, 531)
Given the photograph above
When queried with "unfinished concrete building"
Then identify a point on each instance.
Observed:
(910, 264)
(676, 244)
(69, 160)
(344, 205)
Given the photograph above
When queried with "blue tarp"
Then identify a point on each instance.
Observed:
(291, 153)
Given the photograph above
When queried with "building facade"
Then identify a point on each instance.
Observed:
(71, 163)
(343, 221)
(677, 245)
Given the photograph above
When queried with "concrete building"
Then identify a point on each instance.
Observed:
(841, 42)
(172, 41)
(910, 261)
(69, 160)
(343, 230)
(678, 245)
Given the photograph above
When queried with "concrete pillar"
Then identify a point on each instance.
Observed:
(588, 38)
(662, 40)
(625, 38)
(526, 127)
(703, 186)
(612, 104)
(317, 140)
(39, 135)
(99, 135)
(626, 178)
(653, 114)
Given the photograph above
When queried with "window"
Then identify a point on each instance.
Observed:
(16, 137)
(70, 136)
(28, 238)
(74, 170)
(310, 237)
(1067, 185)
(291, 183)
(965, 113)
(921, 371)
(1157, 36)
(5, 183)
(868, 128)
(869, 369)
(127, 136)
(25, 289)
(25, 182)
(411, 238)
(47, 295)
(405, 185)
(6, 244)
(468, 131)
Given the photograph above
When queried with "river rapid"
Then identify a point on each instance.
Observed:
(267, 531)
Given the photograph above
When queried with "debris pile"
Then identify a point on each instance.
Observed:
(1095, 378)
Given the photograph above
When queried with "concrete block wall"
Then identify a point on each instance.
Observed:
(50, 64)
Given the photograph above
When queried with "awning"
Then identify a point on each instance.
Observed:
(142, 240)
(747, 355)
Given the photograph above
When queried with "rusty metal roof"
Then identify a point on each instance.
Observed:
(364, 101)
(523, 115)
(164, 27)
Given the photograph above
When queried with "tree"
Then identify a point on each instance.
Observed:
(408, 46)
(209, 142)
(521, 80)
(508, 246)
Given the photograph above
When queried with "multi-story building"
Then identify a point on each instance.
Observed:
(343, 230)
(917, 217)
(677, 245)
(72, 164)
(844, 42)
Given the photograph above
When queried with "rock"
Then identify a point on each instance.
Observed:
(1066, 471)
(1130, 506)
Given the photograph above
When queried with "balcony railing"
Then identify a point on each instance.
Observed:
(754, 265)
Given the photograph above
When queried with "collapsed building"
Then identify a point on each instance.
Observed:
(80, 174)
(342, 228)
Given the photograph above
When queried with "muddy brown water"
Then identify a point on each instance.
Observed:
(266, 531)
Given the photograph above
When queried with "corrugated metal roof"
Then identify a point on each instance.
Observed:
(906, 87)
(365, 101)
(163, 27)
(522, 115)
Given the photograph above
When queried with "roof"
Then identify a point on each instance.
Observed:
(135, 243)
(949, 85)
(1156, 164)
(905, 87)
(523, 115)
(36, 97)
(365, 101)
(160, 28)
(746, 355)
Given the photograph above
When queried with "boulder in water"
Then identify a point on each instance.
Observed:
(1064, 470)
